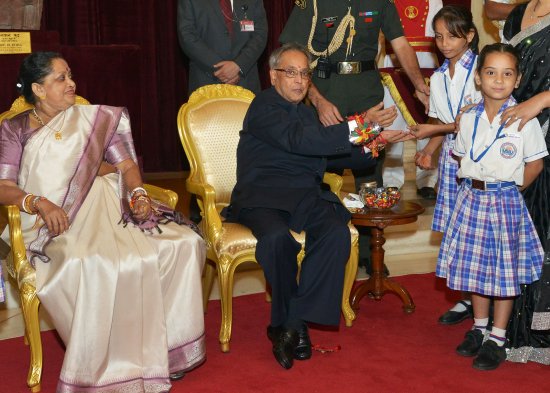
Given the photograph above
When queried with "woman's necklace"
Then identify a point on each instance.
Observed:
(57, 133)
(533, 15)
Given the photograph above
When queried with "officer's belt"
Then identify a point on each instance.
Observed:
(352, 67)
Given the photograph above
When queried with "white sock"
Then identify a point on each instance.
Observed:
(498, 335)
(460, 307)
(481, 324)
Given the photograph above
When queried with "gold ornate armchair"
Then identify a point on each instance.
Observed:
(23, 275)
(209, 125)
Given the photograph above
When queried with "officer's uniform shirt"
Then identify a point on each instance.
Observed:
(506, 158)
(350, 93)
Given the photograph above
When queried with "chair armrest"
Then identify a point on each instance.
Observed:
(334, 181)
(168, 197)
(11, 214)
(212, 218)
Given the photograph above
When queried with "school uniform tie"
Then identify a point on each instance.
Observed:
(227, 13)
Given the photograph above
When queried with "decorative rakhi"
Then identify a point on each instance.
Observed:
(368, 135)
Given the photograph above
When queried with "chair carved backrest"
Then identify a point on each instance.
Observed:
(213, 117)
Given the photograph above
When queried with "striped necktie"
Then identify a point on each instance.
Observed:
(227, 13)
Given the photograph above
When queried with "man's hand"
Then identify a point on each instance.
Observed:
(329, 114)
(423, 95)
(377, 114)
(227, 71)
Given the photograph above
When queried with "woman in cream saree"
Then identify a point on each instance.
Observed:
(125, 299)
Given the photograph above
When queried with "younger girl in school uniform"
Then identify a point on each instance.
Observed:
(452, 87)
(490, 246)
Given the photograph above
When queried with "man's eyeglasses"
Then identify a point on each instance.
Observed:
(291, 73)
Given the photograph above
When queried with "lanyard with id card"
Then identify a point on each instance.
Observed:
(246, 24)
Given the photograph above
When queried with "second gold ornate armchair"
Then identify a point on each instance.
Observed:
(22, 273)
(209, 125)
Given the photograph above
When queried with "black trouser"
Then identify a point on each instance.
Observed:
(316, 297)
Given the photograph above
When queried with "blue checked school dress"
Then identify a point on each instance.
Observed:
(490, 246)
(447, 186)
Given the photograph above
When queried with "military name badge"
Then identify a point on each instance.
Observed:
(300, 3)
(247, 25)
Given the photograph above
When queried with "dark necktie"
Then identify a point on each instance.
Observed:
(227, 13)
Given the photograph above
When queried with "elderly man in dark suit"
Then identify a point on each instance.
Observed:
(281, 160)
(223, 40)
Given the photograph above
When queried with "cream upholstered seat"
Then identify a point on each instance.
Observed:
(23, 274)
(209, 125)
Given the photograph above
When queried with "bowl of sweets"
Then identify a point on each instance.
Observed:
(379, 197)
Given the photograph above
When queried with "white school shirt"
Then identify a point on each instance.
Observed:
(505, 160)
(439, 107)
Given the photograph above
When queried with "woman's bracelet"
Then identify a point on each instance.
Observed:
(137, 191)
(34, 203)
(25, 204)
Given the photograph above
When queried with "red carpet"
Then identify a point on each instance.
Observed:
(385, 351)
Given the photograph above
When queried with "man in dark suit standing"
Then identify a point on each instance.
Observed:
(223, 40)
(281, 160)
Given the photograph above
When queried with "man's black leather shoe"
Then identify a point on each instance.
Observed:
(176, 376)
(454, 317)
(283, 346)
(490, 356)
(427, 193)
(471, 344)
(303, 348)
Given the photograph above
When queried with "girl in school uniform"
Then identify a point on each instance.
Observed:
(490, 246)
(452, 87)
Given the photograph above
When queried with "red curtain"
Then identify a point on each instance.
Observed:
(126, 53)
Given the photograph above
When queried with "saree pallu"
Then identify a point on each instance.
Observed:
(127, 304)
(529, 328)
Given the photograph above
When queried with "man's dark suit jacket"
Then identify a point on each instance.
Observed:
(281, 158)
(205, 40)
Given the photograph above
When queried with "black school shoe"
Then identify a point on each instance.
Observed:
(490, 356)
(471, 344)
(454, 317)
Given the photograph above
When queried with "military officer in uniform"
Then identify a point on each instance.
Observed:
(342, 36)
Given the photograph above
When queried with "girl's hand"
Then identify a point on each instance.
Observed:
(422, 131)
(395, 136)
(55, 217)
(523, 112)
(423, 160)
(459, 116)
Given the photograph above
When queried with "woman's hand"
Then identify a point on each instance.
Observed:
(56, 218)
(523, 112)
(141, 208)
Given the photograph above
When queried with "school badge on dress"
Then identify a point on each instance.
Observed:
(508, 150)
(300, 3)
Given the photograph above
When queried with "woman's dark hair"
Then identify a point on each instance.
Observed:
(459, 22)
(34, 69)
(497, 48)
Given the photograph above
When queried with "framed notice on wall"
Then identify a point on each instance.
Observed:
(15, 42)
(20, 14)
